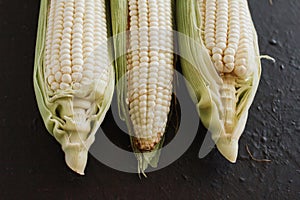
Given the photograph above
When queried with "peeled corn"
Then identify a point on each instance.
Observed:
(145, 94)
(73, 74)
(220, 59)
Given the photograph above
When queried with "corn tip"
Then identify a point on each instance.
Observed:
(76, 160)
(228, 148)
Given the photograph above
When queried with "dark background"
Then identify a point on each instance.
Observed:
(32, 163)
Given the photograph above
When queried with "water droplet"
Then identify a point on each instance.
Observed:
(242, 179)
(273, 42)
(264, 139)
(185, 177)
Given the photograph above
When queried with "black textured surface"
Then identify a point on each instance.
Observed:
(32, 163)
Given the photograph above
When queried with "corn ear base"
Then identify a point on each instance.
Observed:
(206, 83)
(75, 153)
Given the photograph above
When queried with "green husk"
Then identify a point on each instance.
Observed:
(119, 15)
(57, 108)
(206, 83)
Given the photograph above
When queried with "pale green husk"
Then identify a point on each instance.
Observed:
(54, 105)
(119, 16)
(206, 83)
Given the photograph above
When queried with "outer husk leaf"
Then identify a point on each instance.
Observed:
(206, 83)
(75, 153)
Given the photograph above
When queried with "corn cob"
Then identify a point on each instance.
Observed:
(220, 40)
(73, 76)
(148, 68)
